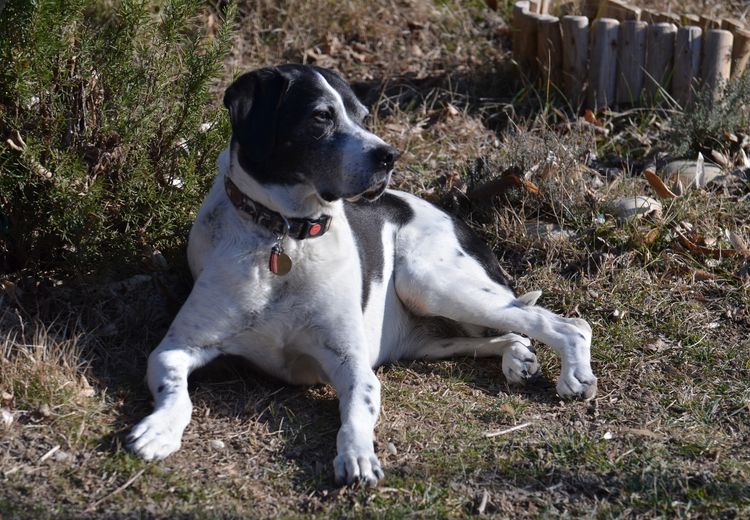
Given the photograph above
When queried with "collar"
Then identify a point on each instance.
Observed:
(299, 228)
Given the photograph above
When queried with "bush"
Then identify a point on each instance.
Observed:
(110, 130)
(706, 123)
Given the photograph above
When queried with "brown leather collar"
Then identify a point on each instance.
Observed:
(299, 228)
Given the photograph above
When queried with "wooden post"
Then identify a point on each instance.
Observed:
(740, 52)
(544, 6)
(527, 51)
(660, 49)
(631, 60)
(620, 10)
(649, 16)
(667, 18)
(731, 25)
(717, 60)
(575, 56)
(741, 46)
(519, 8)
(691, 19)
(708, 23)
(549, 52)
(687, 59)
(603, 70)
(590, 8)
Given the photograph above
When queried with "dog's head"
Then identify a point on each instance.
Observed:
(298, 124)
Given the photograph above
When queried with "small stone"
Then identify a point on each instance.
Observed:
(607, 436)
(391, 448)
(63, 457)
(45, 410)
(6, 416)
(217, 444)
(5, 396)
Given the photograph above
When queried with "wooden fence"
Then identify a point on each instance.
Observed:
(618, 54)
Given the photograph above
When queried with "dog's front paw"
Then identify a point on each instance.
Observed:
(519, 361)
(155, 437)
(577, 382)
(352, 466)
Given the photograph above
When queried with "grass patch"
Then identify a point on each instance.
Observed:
(667, 435)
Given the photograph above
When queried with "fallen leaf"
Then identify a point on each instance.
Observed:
(509, 179)
(702, 276)
(589, 117)
(658, 185)
(720, 158)
(650, 237)
(739, 244)
(716, 252)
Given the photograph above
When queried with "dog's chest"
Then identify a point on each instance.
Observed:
(323, 272)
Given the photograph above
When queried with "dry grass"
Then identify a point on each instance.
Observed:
(667, 436)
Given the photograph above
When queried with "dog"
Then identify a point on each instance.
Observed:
(308, 266)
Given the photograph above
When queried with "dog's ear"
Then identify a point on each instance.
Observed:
(253, 101)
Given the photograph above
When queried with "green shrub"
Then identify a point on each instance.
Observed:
(704, 125)
(113, 129)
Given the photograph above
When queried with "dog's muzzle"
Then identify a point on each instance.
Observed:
(384, 156)
(372, 193)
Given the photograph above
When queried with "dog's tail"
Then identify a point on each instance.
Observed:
(529, 298)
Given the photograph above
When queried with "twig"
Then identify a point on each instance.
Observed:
(483, 503)
(509, 430)
(49, 453)
(120, 489)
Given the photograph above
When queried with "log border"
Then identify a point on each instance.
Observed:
(606, 57)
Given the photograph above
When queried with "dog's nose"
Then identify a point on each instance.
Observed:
(387, 156)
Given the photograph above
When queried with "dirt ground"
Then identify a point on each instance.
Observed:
(667, 436)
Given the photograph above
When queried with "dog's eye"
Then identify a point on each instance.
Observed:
(323, 116)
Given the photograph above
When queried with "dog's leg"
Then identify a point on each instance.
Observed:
(347, 366)
(192, 341)
(519, 359)
(468, 296)
(160, 434)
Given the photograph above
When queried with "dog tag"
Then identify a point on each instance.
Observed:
(279, 262)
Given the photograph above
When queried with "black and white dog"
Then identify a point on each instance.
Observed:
(305, 264)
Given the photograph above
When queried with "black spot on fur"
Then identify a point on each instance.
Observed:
(370, 388)
(474, 246)
(460, 253)
(160, 389)
(367, 220)
(371, 409)
(368, 400)
(487, 290)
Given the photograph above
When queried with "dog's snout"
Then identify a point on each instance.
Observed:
(387, 156)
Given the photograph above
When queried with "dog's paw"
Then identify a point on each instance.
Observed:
(155, 437)
(577, 382)
(352, 467)
(519, 362)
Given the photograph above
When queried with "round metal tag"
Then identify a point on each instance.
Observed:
(284, 264)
